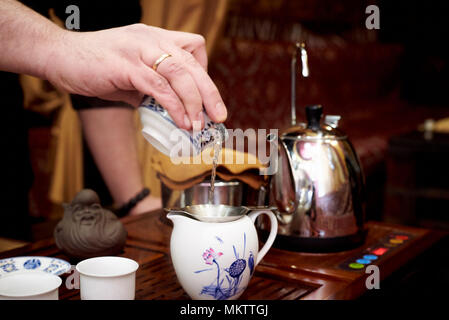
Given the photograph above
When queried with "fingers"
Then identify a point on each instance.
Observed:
(181, 81)
(186, 75)
(184, 64)
(210, 95)
(193, 43)
(200, 55)
(149, 82)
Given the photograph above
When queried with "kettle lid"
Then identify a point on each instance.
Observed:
(314, 129)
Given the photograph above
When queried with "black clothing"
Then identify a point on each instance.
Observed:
(17, 175)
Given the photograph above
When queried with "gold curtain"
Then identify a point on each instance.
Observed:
(198, 16)
(204, 17)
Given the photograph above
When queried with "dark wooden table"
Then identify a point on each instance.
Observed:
(280, 275)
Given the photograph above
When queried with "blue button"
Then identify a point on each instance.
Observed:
(370, 257)
(363, 261)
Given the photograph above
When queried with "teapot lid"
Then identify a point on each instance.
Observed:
(313, 129)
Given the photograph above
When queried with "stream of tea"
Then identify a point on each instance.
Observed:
(217, 151)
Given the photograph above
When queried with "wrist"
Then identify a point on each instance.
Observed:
(132, 203)
(148, 204)
(53, 53)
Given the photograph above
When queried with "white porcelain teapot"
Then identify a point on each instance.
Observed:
(215, 260)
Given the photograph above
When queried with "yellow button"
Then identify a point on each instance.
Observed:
(396, 241)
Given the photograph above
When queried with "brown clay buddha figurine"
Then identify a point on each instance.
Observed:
(88, 230)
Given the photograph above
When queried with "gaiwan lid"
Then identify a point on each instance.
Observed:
(315, 130)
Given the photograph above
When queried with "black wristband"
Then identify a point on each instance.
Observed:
(124, 209)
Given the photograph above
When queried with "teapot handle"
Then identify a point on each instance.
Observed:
(273, 231)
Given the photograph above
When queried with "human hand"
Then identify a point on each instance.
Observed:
(116, 64)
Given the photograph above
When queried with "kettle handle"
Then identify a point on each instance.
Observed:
(273, 231)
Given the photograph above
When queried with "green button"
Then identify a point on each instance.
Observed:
(356, 265)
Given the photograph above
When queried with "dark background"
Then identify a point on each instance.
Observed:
(383, 82)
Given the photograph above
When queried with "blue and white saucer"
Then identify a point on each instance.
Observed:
(16, 265)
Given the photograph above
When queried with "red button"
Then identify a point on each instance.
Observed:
(401, 237)
(379, 251)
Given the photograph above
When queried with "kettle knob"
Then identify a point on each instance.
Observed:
(313, 115)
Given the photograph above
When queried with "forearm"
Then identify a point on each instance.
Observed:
(115, 153)
(27, 39)
(110, 134)
(114, 64)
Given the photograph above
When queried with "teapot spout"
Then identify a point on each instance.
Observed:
(176, 216)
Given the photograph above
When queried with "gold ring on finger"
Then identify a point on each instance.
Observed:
(161, 58)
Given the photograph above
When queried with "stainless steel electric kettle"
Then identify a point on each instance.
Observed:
(318, 187)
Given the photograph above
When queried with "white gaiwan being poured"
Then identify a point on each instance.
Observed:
(215, 249)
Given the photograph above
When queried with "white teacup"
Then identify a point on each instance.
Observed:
(107, 278)
(30, 286)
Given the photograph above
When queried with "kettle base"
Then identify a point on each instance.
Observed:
(317, 245)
